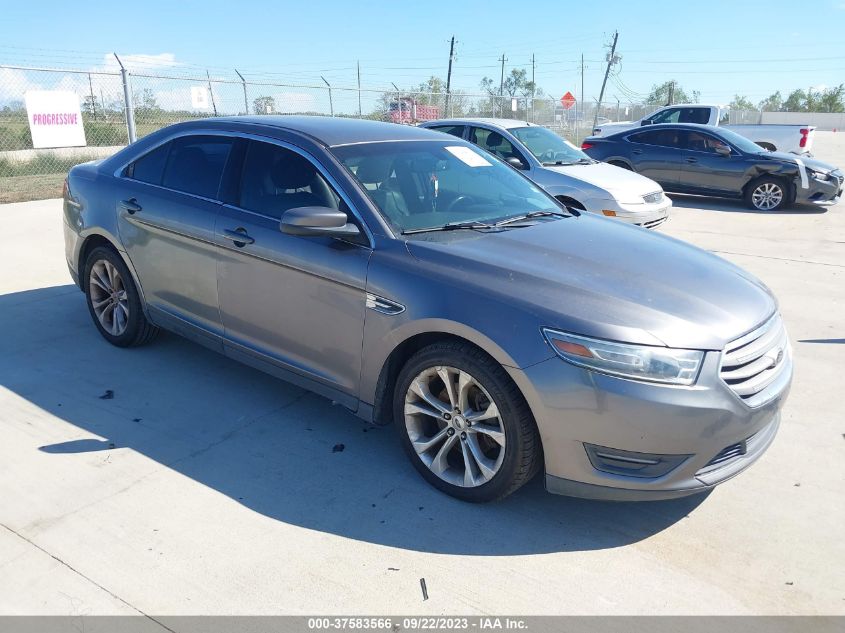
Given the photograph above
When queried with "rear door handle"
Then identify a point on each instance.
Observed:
(238, 236)
(690, 159)
(132, 207)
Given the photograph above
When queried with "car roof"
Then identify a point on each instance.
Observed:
(330, 131)
(712, 129)
(505, 124)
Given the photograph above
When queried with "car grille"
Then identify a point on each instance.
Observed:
(651, 224)
(752, 364)
(652, 198)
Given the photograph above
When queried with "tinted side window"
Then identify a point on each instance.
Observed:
(663, 138)
(150, 167)
(494, 143)
(695, 115)
(196, 164)
(276, 179)
(454, 130)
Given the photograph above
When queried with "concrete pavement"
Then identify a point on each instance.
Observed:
(205, 487)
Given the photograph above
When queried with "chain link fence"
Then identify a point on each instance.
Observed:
(157, 100)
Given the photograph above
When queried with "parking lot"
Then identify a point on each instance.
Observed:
(170, 480)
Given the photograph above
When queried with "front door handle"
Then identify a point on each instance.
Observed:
(238, 236)
(132, 207)
(690, 159)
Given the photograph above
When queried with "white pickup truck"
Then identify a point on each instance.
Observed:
(797, 139)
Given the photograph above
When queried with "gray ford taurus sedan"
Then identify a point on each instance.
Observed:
(414, 279)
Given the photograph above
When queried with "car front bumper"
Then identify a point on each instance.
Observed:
(648, 215)
(598, 431)
(821, 192)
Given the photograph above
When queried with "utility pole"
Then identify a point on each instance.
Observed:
(449, 75)
(502, 80)
(359, 89)
(610, 61)
(671, 92)
(580, 101)
(532, 87)
(243, 83)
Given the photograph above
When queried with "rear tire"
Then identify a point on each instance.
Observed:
(619, 163)
(766, 194)
(464, 424)
(113, 300)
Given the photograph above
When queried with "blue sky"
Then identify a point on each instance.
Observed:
(718, 47)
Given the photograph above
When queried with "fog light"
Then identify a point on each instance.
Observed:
(619, 462)
(609, 213)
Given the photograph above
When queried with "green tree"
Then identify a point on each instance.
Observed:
(264, 105)
(830, 100)
(796, 101)
(772, 103)
(741, 103)
(659, 94)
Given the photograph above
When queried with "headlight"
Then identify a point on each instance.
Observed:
(639, 362)
(818, 175)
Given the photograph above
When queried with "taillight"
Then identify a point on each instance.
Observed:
(586, 145)
(804, 134)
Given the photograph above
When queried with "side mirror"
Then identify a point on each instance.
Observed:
(312, 221)
(513, 161)
(646, 122)
(723, 150)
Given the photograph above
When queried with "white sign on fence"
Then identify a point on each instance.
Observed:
(54, 119)
(514, 106)
(199, 98)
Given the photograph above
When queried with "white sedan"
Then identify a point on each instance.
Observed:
(564, 170)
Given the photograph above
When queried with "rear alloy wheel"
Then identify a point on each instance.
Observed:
(464, 424)
(113, 300)
(766, 194)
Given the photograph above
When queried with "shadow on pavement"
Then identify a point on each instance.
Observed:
(275, 448)
(730, 205)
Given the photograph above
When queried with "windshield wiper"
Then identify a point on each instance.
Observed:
(580, 161)
(451, 226)
(533, 214)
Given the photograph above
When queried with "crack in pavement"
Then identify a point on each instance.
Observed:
(81, 575)
(782, 259)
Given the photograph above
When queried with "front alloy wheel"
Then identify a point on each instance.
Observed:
(464, 423)
(767, 195)
(454, 426)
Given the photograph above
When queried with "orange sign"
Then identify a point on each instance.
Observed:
(567, 100)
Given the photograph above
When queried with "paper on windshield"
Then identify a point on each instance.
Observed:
(466, 155)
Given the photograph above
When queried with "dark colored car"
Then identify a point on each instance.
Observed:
(707, 160)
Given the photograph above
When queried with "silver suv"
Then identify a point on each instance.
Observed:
(418, 281)
(564, 170)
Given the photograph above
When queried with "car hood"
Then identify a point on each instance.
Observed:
(604, 278)
(787, 157)
(622, 183)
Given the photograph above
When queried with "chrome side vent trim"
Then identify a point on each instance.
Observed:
(384, 306)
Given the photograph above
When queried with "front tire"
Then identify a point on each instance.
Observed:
(464, 424)
(113, 300)
(766, 194)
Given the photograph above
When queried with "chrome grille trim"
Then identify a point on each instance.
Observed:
(752, 364)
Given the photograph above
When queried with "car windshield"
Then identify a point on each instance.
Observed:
(420, 185)
(740, 142)
(548, 147)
